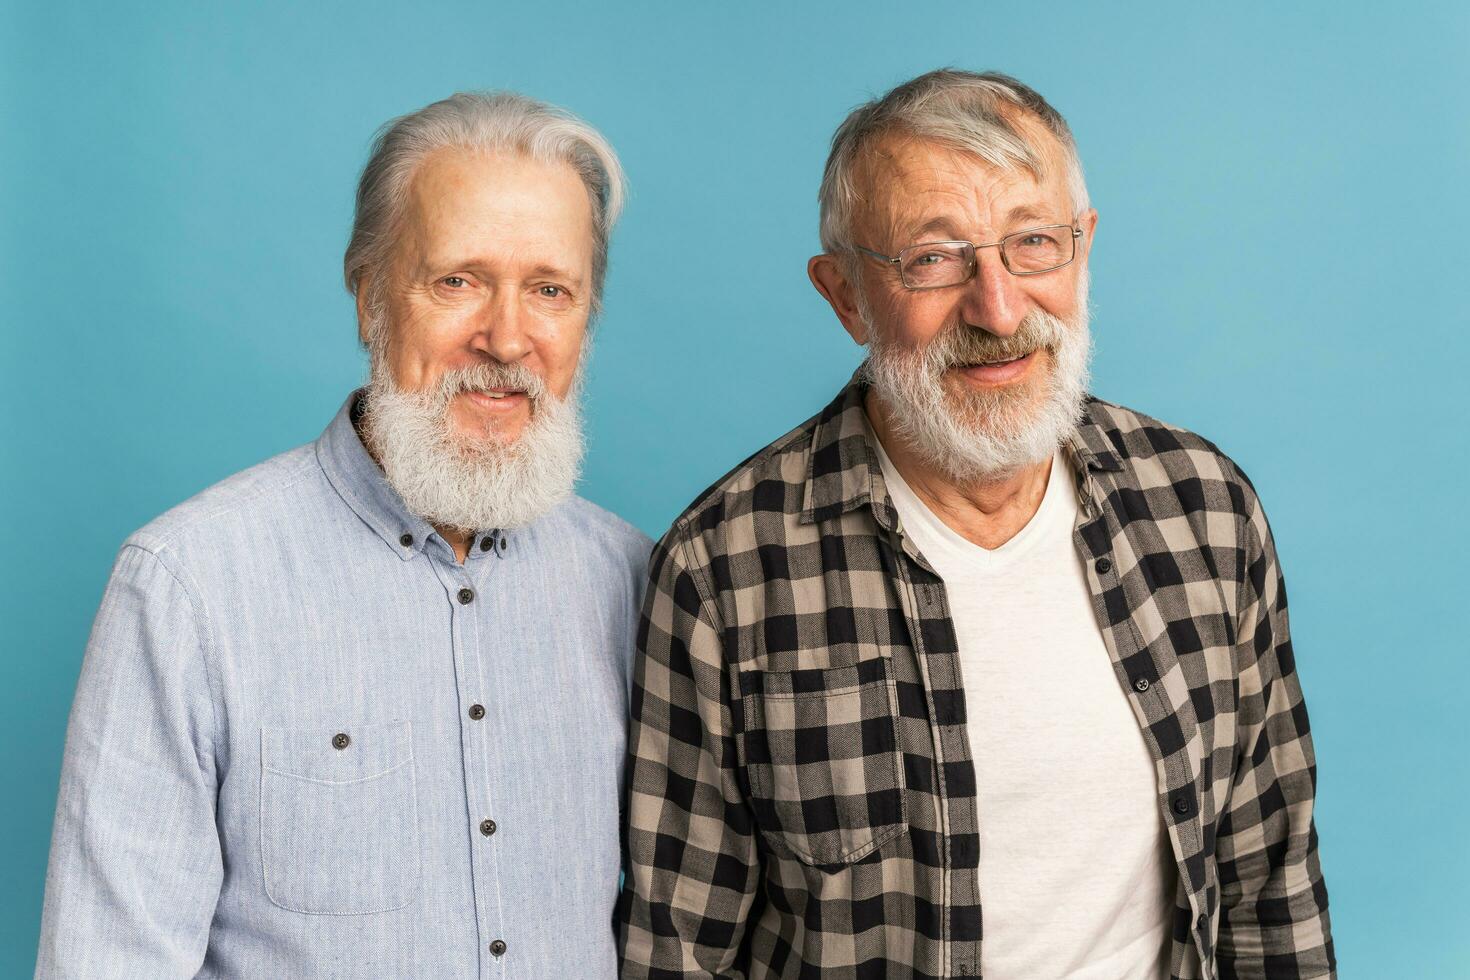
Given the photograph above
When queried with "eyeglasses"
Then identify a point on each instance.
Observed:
(935, 265)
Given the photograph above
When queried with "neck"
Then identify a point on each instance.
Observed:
(987, 511)
(460, 541)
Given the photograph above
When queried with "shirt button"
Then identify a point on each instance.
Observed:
(503, 543)
(497, 948)
(341, 740)
(477, 711)
(1181, 805)
(486, 543)
(487, 827)
(466, 596)
(1103, 565)
(406, 540)
(1202, 923)
(1140, 684)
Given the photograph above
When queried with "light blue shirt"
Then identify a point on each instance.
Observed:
(307, 742)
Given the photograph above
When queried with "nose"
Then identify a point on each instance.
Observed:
(993, 298)
(501, 327)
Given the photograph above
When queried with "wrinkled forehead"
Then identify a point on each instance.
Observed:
(903, 180)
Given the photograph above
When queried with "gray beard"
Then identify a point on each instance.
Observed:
(973, 435)
(474, 482)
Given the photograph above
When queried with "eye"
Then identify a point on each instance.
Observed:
(552, 292)
(454, 282)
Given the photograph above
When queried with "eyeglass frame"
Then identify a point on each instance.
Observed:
(897, 260)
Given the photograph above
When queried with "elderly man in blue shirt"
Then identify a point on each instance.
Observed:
(359, 711)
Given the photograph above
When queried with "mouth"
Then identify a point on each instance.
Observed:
(999, 371)
(496, 399)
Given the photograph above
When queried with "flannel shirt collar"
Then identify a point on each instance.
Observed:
(843, 472)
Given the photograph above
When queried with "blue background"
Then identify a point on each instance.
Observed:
(1283, 202)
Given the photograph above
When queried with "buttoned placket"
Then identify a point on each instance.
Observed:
(471, 636)
(921, 596)
(1140, 671)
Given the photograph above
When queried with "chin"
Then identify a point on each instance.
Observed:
(981, 402)
(483, 438)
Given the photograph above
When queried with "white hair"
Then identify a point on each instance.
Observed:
(494, 122)
(974, 112)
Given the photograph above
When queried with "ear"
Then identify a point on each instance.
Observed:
(1088, 224)
(827, 275)
(360, 297)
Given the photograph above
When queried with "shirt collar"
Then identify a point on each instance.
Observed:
(361, 484)
(842, 466)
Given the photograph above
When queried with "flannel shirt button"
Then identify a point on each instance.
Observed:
(1140, 684)
(466, 596)
(1103, 565)
(1181, 805)
(487, 827)
(486, 543)
(341, 740)
(477, 711)
(497, 948)
(406, 540)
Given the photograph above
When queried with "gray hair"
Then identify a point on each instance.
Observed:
(484, 121)
(973, 112)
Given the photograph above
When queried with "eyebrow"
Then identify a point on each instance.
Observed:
(541, 269)
(555, 272)
(944, 226)
(1025, 212)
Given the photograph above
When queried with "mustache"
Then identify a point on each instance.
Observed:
(487, 376)
(962, 343)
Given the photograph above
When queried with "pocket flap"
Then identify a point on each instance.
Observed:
(345, 754)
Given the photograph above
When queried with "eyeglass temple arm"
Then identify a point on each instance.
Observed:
(891, 260)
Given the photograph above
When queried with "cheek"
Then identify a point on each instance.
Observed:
(917, 318)
(419, 353)
(559, 352)
(1058, 297)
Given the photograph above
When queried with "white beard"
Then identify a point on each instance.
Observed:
(974, 435)
(474, 482)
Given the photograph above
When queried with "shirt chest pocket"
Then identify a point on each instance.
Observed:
(339, 818)
(822, 760)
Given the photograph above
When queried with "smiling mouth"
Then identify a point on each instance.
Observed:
(496, 399)
(997, 362)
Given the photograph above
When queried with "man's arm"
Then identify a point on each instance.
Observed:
(1274, 919)
(135, 858)
(691, 868)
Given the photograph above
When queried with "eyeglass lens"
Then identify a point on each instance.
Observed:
(950, 263)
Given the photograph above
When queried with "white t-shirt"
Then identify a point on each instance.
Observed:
(1076, 877)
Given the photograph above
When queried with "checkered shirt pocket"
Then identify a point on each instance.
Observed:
(822, 760)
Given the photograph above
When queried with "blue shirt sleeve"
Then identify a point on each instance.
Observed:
(135, 867)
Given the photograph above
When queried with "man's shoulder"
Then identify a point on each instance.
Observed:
(253, 497)
(1158, 453)
(593, 529)
(777, 474)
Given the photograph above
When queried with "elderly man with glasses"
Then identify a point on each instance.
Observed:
(972, 673)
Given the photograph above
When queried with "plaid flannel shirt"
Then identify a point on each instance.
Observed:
(800, 799)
